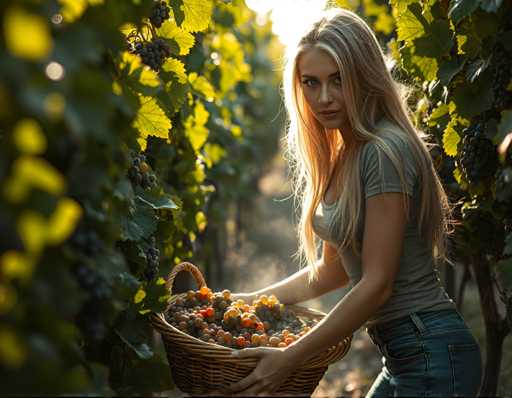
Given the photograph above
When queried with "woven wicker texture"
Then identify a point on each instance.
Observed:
(200, 367)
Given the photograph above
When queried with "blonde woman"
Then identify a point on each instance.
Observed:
(369, 193)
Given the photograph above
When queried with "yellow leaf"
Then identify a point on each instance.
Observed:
(236, 131)
(12, 349)
(63, 220)
(201, 221)
(16, 265)
(201, 84)
(195, 130)
(160, 281)
(214, 153)
(149, 77)
(176, 66)
(72, 9)
(142, 312)
(27, 35)
(139, 296)
(185, 40)
(450, 139)
(198, 14)
(31, 227)
(151, 119)
(39, 173)
(29, 137)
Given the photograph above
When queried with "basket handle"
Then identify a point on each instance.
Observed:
(185, 266)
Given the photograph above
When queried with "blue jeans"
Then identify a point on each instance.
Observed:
(427, 354)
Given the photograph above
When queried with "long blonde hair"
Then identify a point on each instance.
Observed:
(370, 93)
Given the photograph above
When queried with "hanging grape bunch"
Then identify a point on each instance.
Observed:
(153, 50)
(152, 261)
(478, 158)
(91, 318)
(159, 13)
(217, 319)
(502, 78)
(484, 230)
(140, 173)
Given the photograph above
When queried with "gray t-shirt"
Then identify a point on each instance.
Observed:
(417, 286)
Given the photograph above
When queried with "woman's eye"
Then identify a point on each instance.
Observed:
(337, 81)
(309, 82)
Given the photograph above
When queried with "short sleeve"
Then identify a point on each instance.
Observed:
(377, 179)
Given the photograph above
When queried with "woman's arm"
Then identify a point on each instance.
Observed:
(295, 288)
(381, 251)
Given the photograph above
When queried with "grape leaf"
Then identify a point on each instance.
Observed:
(151, 120)
(474, 98)
(490, 5)
(185, 40)
(157, 203)
(198, 14)
(462, 8)
(409, 26)
(448, 69)
(451, 139)
(436, 42)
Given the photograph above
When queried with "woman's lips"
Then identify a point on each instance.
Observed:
(329, 114)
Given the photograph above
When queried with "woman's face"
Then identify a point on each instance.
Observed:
(321, 84)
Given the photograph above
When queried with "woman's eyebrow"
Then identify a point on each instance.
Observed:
(331, 75)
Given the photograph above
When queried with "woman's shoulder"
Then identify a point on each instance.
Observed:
(392, 135)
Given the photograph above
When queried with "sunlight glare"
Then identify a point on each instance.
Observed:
(289, 17)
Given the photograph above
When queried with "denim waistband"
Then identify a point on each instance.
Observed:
(417, 323)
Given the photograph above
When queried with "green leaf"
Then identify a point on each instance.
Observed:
(411, 24)
(142, 224)
(474, 98)
(504, 128)
(437, 41)
(491, 5)
(448, 69)
(157, 203)
(135, 333)
(462, 8)
(179, 15)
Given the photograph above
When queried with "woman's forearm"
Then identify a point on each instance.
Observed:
(347, 316)
(296, 287)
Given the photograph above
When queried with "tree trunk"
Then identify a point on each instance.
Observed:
(496, 328)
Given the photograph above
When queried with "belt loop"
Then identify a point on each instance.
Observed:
(418, 323)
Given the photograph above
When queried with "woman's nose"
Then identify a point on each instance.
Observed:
(325, 97)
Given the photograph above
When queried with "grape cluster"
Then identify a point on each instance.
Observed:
(484, 231)
(90, 319)
(159, 13)
(153, 53)
(140, 173)
(216, 318)
(87, 241)
(478, 158)
(153, 260)
(502, 77)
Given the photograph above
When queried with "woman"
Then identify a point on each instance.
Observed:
(369, 191)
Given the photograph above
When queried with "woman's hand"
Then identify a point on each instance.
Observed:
(272, 370)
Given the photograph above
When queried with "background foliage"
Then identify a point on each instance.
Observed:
(112, 172)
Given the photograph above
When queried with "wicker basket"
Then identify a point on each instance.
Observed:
(199, 367)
